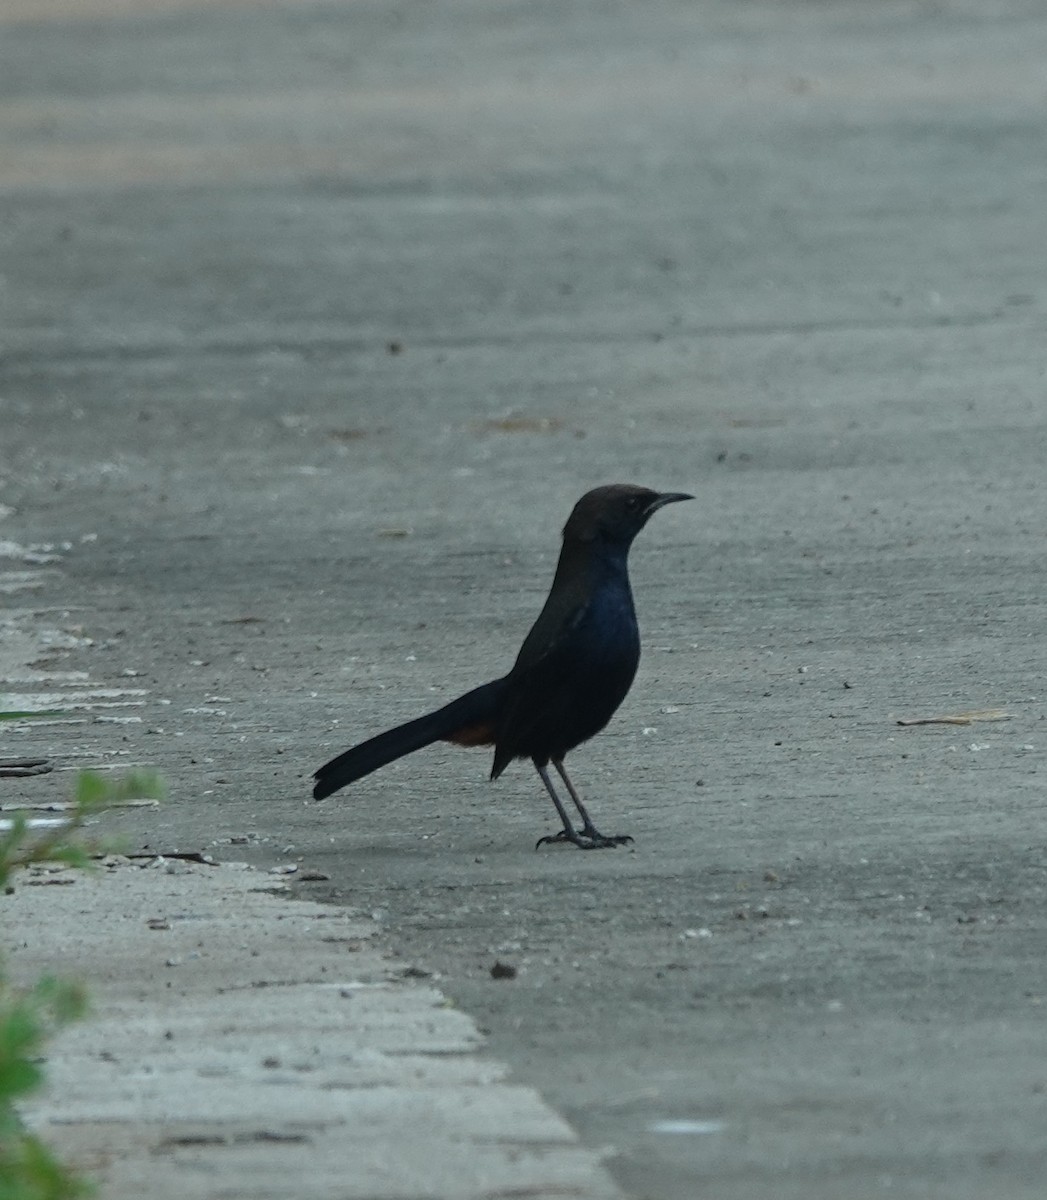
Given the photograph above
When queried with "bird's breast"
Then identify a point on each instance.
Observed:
(608, 634)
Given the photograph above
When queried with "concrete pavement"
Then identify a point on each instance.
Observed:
(243, 1045)
(317, 318)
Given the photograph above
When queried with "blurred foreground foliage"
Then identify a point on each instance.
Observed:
(29, 1016)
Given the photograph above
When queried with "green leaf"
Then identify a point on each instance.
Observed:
(24, 716)
(66, 1001)
(14, 835)
(19, 1030)
(92, 790)
(21, 1076)
(28, 1171)
(72, 856)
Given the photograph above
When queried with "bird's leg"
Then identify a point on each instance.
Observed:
(568, 833)
(588, 837)
(588, 829)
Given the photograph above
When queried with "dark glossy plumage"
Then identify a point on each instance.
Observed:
(573, 671)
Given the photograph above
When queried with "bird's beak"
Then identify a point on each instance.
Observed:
(665, 498)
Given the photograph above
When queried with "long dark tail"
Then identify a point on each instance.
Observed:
(471, 717)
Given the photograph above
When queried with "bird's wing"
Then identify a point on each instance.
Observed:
(544, 666)
(550, 636)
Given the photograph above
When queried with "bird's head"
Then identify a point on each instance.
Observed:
(616, 513)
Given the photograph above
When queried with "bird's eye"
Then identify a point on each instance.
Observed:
(633, 503)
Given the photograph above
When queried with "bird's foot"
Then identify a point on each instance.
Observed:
(601, 841)
(589, 838)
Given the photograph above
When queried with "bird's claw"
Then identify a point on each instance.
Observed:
(587, 839)
(602, 840)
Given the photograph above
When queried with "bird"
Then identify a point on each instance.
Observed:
(573, 670)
